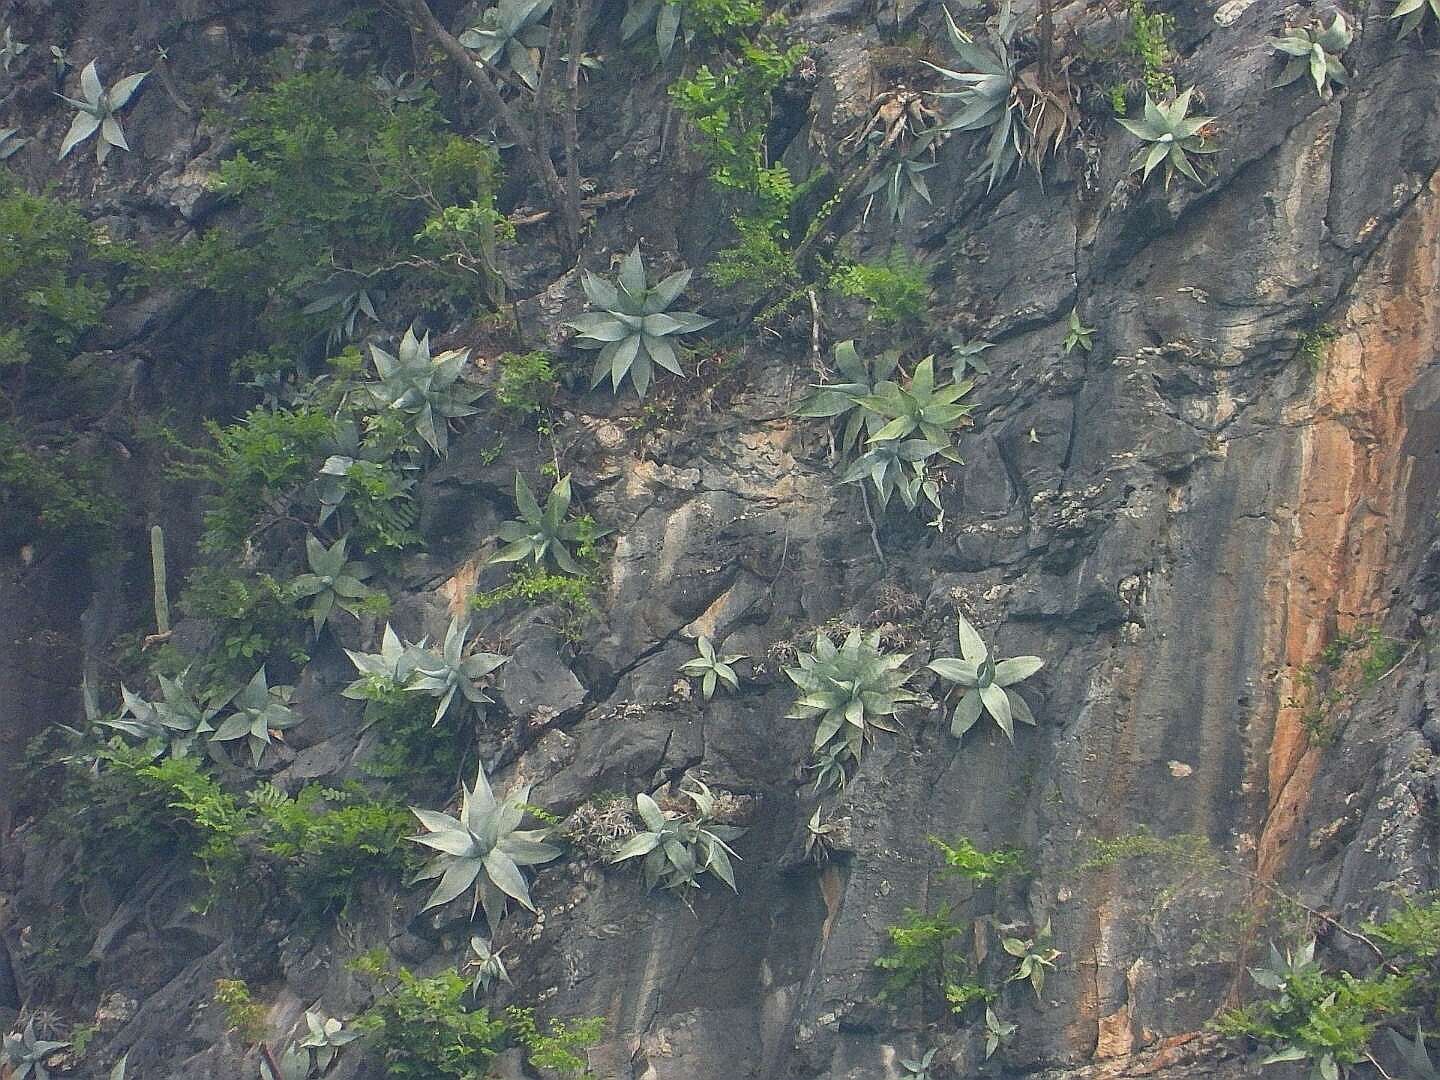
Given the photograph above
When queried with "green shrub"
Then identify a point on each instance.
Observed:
(329, 841)
(245, 1016)
(897, 289)
(253, 616)
(964, 860)
(50, 493)
(421, 1028)
(340, 176)
(527, 383)
(50, 293)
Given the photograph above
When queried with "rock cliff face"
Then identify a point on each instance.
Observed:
(1181, 521)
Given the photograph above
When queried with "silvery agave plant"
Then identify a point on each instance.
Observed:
(1035, 955)
(487, 965)
(967, 356)
(544, 534)
(508, 32)
(919, 1069)
(1028, 115)
(10, 50)
(1414, 13)
(986, 101)
(97, 112)
(1415, 1055)
(919, 407)
(903, 181)
(899, 466)
(840, 401)
(391, 668)
(428, 391)
(633, 327)
(849, 692)
(10, 142)
(25, 1055)
(482, 851)
(334, 581)
(677, 849)
(450, 673)
(180, 717)
(664, 15)
(261, 712)
(1315, 49)
(1170, 137)
(325, 1038)
(1077, 334)
(998, 1032)
(711, 668)
(985, 684)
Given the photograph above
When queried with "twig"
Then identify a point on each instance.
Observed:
(591, 202)
(874, 529)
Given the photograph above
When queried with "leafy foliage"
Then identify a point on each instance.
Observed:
(97, 112)
(483, 850)
(345, 180)
(632, 324)
(421, 1029)
(1325, 1019)
(679, 848)
(711, 668)
(1170, 137)
(1315, 50)
(329, 841)
(849, 691)
(896, 289)
(963, 859)
(985, 684)
(545, 534)
(527, 383)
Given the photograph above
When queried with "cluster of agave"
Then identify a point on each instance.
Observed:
(541, 535)
(896, 429)
(428, 391)
(97, 111)
(24, 1054)
(1315, 50)
(632, 326)
(678, 848)
(451, 674)
(481, 851)
(711, 668)
(852, 690)
(511, 35)
(849, 691)
(1413, 13)
(1170, 136)
(1027, 112)
(260, 713)
(317, 1053)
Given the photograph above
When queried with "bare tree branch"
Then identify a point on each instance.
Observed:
(535, 156)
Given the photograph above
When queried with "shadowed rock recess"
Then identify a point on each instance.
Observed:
(1214, 518)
